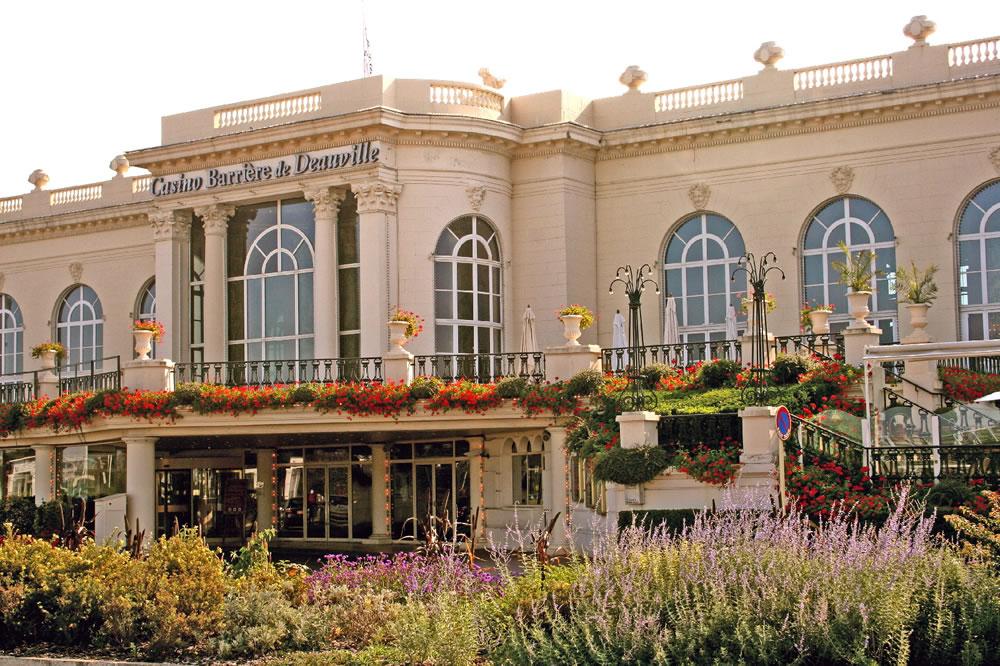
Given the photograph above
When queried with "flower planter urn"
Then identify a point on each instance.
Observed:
(820, 321)
(397, 335)
(571, 328)
(857, 306)
(918, 320)
(143, 343)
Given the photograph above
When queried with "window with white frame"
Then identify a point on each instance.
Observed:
(468, 315)
(80, 325)
(527, 456)
(862, 226)
(145, 309)
(698, 265)
(979, 264)
(11, 337)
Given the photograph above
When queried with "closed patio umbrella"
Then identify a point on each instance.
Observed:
(619, 355)
(671, 331)
(529, 345)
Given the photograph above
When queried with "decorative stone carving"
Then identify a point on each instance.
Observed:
(768, 54)
(919, 29)
(76, 271)
(842, 177)
(476, 194)
(633, 77)
(119, 165)
(489, 80)
(38, 178)
(326, 201)
(699, 195)
(169, 224)
(995, 158)
(215, 218)
(377, 196)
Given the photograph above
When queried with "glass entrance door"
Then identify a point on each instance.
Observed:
(173, 500)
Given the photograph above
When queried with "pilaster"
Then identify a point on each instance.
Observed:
(265, 488)
(379, 260)
(555, 489)
(44, 483)
(326, 204)
(380, 495)
(140, 483)
(171, 242)
(215, 220)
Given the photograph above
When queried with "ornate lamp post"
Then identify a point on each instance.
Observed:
(637, 397)
(756, 390)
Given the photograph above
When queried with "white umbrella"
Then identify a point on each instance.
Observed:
(731, 332)
(990, 397)
(529, 345)
(671, 331)
(618, 341)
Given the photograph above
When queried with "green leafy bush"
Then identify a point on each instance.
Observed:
(19, 512)
(719, 373)
(653, 373)
(586, 382)
(512, 387)
(424, 388)
(52, 518)
(305, 392)
(186, 394)
(786, 368)
(672, 520)
(631, 466)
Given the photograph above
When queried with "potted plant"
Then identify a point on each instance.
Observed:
(50, 353)
(815, 318)
(403, 327)
(575, 319)
(856, 273)
(916, 289)
(145, 332)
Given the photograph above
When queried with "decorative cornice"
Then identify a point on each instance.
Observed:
(377, 196)
(699, 195)
(842, 177)
(170, 224)
(476, 194)
(995, 158)
(215, 218)
(325, 200)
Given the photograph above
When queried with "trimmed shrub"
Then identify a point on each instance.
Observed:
(786, 368)
(586, 382)
(631, 466)
(424, 388)
(654, 373)
(512, 387)
(719, 373)
(186, 394)
(305, 392)
(672, 520)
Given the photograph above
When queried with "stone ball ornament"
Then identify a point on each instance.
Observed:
(38, 178)
(919, 28)
(768, 54)
(119, 165)
(633, 77)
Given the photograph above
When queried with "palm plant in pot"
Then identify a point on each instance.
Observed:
(857, 273)
(917, 290)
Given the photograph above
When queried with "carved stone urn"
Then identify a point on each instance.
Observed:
(857, 306)
(918, 320)
(571, 328)
(143, 343)
(397, 335)
(820, 321)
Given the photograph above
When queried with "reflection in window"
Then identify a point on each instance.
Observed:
(11, 337)
(526, 458)
(91, 471)
(18, 467)
(862, 226)
(80, 326)
(699, 261)
(467, 290)
(979, 265)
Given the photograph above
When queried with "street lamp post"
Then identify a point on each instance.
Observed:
(757, 389)
(636, 397)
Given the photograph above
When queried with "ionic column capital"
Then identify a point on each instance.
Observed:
(170, 224)
(215, 218)
(325, 200)
(377, 196)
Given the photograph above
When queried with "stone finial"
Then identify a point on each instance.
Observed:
(842, 177)
(76, 271)
(699, 195)
(119, 165)
(995, 158)
(768, 54)
(489, 80)
(38, 178)
(633, 77)
(476, 194)
(919, 29)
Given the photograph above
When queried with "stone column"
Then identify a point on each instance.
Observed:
(215, 220)
(380, 500)
(555, 489)
(140, 483)
(379, 261)
(171, 238)
(265, 488)
(44, 473)
(326, 205)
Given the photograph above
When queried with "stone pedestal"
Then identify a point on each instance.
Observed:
(747, 343)
(140, 483)
(760, 450)
(151, 375)
(638, 429)
(397, 367)
(561, 363)
(44, 469)
(855, 341)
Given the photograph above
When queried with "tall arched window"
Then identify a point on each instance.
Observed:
(11, 336)
(698, 262)
(861, 225)
(80, 325)
(271, 281)
(979, 264)
(468, 315)
(145, 308)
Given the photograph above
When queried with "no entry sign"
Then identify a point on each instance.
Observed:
(783, 421)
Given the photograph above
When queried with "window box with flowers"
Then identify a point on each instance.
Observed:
(403, 327)
(145, 332)
(575, 319)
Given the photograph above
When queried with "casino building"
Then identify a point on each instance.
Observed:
(286, 229)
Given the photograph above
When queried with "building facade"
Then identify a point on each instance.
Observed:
(287, 228)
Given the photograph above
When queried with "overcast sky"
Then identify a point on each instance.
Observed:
(84, 81)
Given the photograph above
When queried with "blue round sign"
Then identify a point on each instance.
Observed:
(783, 421)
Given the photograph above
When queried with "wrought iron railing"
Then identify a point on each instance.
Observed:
(927, 464)
(269, 373)
(681, 355)
(482, 368)
(814, 438)
(824, 345)
(90, 375)
(897, 420)
(18, 386)
(707, 429)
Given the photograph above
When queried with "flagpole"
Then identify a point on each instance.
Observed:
(366, 53)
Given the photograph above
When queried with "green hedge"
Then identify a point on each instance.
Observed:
(673, 519)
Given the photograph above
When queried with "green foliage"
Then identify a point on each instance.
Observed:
(631, 466)
(512, 387)
(444, 629)
(19, 512)
(424, 388)
(672, 520)
(713, 401)
(856, 270)
(582, 310)
(786, 368)
(653, 373)
(949, 493)
(52, 518)
(719, 373)
(13, 417)
(305, 392)
(586, 382)
(914, 285)
(186, 394)
(258, 619)
(980, 534)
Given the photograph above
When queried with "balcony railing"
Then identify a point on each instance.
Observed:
(18, 386)
(824, 345)
(482, 368)
(815, 439)
(987, 365)
(90, 375)
(269, 373)
(680, 355)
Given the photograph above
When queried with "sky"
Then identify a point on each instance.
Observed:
(85, 81)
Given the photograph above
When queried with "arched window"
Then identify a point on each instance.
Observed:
(80, 325)
(698, 262)
(468, 315)
(979, 264)
(271, 281)
(11, 336)
(861, 225)
(145, 309)
(526, 469)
